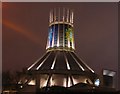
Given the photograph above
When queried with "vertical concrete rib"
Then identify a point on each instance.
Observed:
(77, 62)
(36, 62)
(43, 61)
(53, 64)
(67, 63)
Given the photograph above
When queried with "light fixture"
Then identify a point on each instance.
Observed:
(97, 82)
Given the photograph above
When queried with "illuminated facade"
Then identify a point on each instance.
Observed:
(61, 29)
(60, 66)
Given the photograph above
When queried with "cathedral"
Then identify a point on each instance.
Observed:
(60, 66)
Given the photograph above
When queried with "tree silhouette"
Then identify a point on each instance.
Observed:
(6, 78)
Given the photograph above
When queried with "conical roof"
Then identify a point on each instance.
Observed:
(64, 67)
(60, 60)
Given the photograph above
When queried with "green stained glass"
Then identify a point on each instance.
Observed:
(69, 34)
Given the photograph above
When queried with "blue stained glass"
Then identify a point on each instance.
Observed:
(56, 34)
(50, 35)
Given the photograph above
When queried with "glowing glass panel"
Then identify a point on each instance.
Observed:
(58, 80)
(55, 34)
(68, 35)
(50, 36)
(97, 82)
(61, 34)
(65, 34)
(32, 82)
(43, 80)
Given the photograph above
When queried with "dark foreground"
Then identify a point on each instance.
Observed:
(63, 90)
(117, 92)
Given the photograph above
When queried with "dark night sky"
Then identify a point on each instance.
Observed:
(25, 30)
